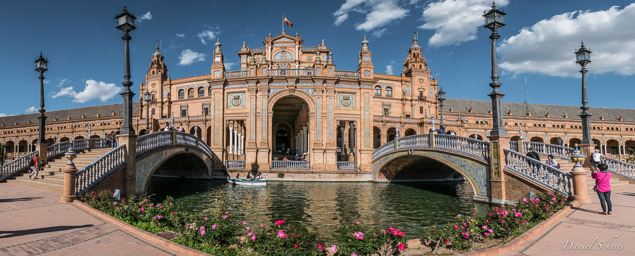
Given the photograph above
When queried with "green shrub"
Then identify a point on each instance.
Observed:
(280, 175)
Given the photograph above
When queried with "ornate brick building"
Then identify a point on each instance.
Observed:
(288, 98)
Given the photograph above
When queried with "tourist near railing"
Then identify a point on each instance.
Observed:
(97, 170)
(57, 149)
(298, 165)
(235, 164)
(346, 165)
(151, 141)
(538, 171)
(558, 151)
(414, 141)
(346, 74)
(20, 164)
(470, 146)
(620, 167)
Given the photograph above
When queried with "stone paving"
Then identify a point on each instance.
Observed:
(585, 232)
(33, 222)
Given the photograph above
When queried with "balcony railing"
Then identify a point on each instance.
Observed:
(235, 164)
(346, 165)
(236, 74)
(290, 72)
(346, 74)
(298, 165)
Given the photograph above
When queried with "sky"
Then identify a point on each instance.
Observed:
(536, 48)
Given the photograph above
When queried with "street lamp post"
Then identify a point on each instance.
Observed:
(146, 98)
(583, 58)
(441, 99)
(494, 21)
(125, 23)
(41, 66)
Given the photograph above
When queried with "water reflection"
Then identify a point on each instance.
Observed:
(324, 205)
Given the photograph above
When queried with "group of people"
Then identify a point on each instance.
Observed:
(251, 176)
(169, 128)
(599, 172)
(302, 157)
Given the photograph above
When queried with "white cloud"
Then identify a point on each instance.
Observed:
(188, 57)
(31, 109)
(207, 35)
(389, 70)
(62, 82)
(379, 33)
(92, 90)
(3, 114)
(455, 21)
(547, 47)
(180, 35)
(230, 65)
(378, 12)
(147, 16)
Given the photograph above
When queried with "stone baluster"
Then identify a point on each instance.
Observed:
(231, 138)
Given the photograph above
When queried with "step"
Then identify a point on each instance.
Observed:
(40, 180)
(44, 186)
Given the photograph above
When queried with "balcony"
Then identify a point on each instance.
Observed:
(290, 72)
(235, 164)
(346, 74)
(296, 165)
(346, 165)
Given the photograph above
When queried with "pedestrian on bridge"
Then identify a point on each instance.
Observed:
(603, 187)
(552, 162)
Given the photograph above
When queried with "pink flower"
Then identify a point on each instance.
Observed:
(401, 247)
(484, 227)
(320, 246)
(518, 215)
(250, 233)
(99, 195)
(151, 204)
(358, 235)
(489, 214)
(247, 228)
(281, 234)
(486, 234)
(205, 218)
(202, 230)
(171, 213)
(142, 209)
(295, 246)
(117, 208)
(214, 226)
(224, 216)
(279, 222)
(262, 225)
(525, 199)
(502, 221)
(353, 254)
(456, 226)
(253, 237)
(334, 248)
(447, 242)
(357, 223)
(523, 221)
(114, 203)
(244, 223)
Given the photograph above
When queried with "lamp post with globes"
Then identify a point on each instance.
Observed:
(146, 98)
(41, 66)
(125, 23)
(441, 99)
(494, 21)
(583, 58)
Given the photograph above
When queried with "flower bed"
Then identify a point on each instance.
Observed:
(502, 223)
(222, 234)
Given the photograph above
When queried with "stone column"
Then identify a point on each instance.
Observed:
(497, 193)
(521, 147)
(231, 139)
(131, 162)
(236, 142)
(68, 192)
(42, 148)
(579, 174)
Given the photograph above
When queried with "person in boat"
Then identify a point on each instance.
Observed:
(259, 176)
(237, 176)
(249, 176)
(285, 159)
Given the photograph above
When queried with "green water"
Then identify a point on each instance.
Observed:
(408, 206)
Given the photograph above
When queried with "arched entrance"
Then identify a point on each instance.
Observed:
(410, 132)
(391, 133)
(556, 141)
(376, 137)
(290, 127)
(537, 139)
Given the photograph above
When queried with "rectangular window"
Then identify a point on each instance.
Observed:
(205, 111)
(152, 112)
(264, 71)
(407, 116)
(366, 73)
(251, 71)
(318, 71)
(216, 73)
(420, 110)
(386, 111)
(183, 112)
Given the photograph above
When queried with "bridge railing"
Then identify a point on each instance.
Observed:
(99, 143)
(539, 172)
(298, 165)
(470, 146)
(80, 144)
(151, 141)
(20, 164)
(97, 170)
(620, 167)
(235, 164)
(191, 140)
(414, 141)
(346, 165)
(385, 149)
(57, 149)
(558, 151)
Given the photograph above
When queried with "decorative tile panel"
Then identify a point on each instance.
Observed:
(252, 119)
(236, 100)
(346, 100)
(367, 119)
(330, 118)
(217, 118)
(309, 91)
(318, 116)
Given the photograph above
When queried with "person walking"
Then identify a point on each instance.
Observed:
(35, 167)
(108, 140)
(603, 187)
(533, 154)
(552, 162)
(596, 159)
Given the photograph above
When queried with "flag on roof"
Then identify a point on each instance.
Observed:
(289, 24)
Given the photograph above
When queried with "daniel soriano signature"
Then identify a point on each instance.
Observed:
(595, 244)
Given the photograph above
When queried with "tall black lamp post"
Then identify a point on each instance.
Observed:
(125, 23)
(41, 66)
(441, 99)
(146, 98)
(494, 21)
(583, 58)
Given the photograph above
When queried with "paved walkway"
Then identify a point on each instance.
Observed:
(585, 232)
(32, 221)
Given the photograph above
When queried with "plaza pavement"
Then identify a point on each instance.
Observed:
(32, 221)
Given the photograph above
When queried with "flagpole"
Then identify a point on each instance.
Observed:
(282, 24)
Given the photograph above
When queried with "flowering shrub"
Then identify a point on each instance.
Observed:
(357, 239)
(283, 239)
(500, 222)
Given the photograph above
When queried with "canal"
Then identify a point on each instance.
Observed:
(323, 205)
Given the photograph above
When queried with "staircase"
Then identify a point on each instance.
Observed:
(52, 178)
(616, 183)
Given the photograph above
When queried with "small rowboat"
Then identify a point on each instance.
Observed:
(245, 182)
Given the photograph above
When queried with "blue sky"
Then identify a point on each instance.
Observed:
(86, 51)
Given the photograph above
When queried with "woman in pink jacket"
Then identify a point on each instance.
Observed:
(603, 187)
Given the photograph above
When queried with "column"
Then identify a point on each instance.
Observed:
(242, 144)
(231, 134)
(342, 134)
(236, 143)
(308, 137)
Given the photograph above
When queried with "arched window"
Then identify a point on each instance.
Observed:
(377, 90)
(388, 91)
(209, 91)
(201, 91)
(282, 56)
(190, 93)
(181, 94)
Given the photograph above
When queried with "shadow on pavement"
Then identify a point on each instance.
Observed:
(7, 234)
(627, 194)
(8, 200)
(585, 210)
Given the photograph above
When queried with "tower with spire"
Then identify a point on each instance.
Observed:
(157, 83)
(218, 66)
(415, 62)
(365, 67)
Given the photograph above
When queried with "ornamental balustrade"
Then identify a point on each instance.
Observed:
(81, 144)
(470, 146)
(151, 141)
(513, 145)
(561, 152)
(620, 167)
(290, 72)
(235, 164)
(414, 141)
(297, 165)
(57, 149)
(99, 143)
(96, 171)
(235, 74)
(346, 165)
(19, 164)
(538, 172)
(346, 74)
